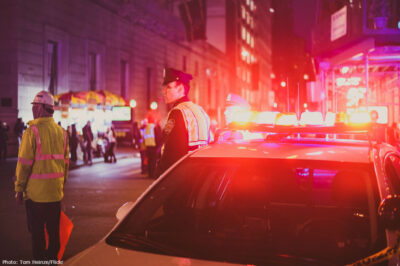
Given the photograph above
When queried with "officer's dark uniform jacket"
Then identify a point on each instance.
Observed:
(176, 138)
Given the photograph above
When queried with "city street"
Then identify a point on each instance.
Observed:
(93, 194)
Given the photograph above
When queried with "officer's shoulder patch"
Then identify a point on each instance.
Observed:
(169, 126)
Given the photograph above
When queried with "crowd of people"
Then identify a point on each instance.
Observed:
(103, 145)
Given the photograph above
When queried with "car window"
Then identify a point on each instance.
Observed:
(392, 168)
(251, 211)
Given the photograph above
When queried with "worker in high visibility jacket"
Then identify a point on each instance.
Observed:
(42, 171)
(152, 141)
(188, 125)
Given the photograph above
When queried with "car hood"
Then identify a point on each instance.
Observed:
(104, 254)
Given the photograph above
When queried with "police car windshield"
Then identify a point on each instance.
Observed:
(250, 210)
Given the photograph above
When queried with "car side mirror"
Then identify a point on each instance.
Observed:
(389, 212)
(123, 210)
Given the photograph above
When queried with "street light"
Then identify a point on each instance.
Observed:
(132, 103)
(283, 84)
(153, 106)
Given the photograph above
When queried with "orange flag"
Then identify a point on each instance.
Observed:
(65, 231)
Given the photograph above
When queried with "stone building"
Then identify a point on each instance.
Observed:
(121, 46)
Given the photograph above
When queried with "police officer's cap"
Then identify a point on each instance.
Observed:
(171, 75)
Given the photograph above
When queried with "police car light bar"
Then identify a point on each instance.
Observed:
(337, 129)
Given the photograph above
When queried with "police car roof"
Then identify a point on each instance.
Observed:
(338, 151)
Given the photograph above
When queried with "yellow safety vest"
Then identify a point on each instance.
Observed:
(42, 166)
(149, 136)
(197, 123)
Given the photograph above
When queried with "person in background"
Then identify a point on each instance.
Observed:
(152, 138)
(88, 138)
(136, 136)
(19, 128)
(142, 147)
(73, 143)
(3, 141)
(41, 173)
(392, 135)
(378, 130)
(111, 146)
(188, 125)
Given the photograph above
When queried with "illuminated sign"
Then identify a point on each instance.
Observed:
(339, 24)
(353, 81)
(382, 111)
(121, 113)
(354, 95)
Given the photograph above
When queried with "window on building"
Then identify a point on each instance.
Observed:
(209, 90)
(124, 78)
(93, 70)
(52, 64)
(248, 38)
(149, 86)
(247, 2)
(252, 42)
(184, 63)
(243, 33)
(196, 68)
(243, 13)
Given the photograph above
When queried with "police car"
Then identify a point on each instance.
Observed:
(265, 195)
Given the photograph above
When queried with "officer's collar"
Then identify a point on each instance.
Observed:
(181, 100)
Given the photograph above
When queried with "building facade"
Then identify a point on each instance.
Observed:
(121, 46)
(356, 45)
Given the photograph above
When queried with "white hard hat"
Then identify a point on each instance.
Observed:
(44, 97)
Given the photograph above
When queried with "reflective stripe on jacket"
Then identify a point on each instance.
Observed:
(197, 123)
(42, 167)
(149, 136)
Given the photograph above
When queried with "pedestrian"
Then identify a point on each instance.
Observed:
(151, 138)
(188, 126)
(19, 128)
(142, 147)
(377, 129)
(73, 143)
(88, 138)
(111, 145)
(3, 141)
(41, 173)
(392, 134)
(136, 136)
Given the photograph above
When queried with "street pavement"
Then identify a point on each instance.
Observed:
(93, 194)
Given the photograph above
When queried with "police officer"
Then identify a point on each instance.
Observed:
(42, 170)
(188, 125)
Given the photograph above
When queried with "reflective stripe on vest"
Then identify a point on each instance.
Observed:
(149, 136)
(197, 123)
(39, 156)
